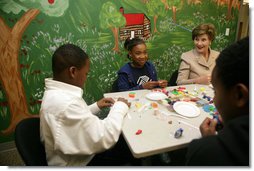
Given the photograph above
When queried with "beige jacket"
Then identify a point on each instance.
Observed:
(194, 65)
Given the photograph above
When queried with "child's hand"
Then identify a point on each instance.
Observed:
(105, 102)
(150, 84)
(124, 100)
(163, 83)
(208, 127)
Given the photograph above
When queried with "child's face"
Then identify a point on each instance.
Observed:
(139, 55)
(81, 74)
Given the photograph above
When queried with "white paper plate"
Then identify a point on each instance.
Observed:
(156, 96)
(186, 109)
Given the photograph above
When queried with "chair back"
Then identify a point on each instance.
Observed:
(173, 79)
(114, 87)
(29, 146)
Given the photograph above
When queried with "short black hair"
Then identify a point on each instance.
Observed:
(232, 65)
(66, 56)
(130, 43)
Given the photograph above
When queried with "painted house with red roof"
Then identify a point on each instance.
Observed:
(137, 25)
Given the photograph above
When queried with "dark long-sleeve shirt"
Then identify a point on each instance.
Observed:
(126, 77)
(229, 148)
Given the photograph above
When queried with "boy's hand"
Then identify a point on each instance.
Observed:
(105, 102)
(124, 100)
(208, 127)
(108, 102)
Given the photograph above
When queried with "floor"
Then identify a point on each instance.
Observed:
(10, 158)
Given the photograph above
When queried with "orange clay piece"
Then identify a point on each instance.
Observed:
(154, 105)
(131, 95)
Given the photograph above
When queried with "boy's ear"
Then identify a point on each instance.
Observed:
(72, 71)
(241, 94)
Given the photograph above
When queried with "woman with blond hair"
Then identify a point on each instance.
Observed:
(197, 64)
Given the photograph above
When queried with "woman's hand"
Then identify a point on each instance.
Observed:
(208, 127)
(203, 80)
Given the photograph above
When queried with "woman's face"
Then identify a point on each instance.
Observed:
(202, 43)
(139, 55)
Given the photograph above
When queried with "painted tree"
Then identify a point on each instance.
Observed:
(110, 17)
(175, 5)
(10, 39)
(230, 4)
(155, 9)
(195, 2)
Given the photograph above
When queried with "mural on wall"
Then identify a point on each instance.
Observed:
(31, 30)
(10, 75)
(137, 25)
(111, 18)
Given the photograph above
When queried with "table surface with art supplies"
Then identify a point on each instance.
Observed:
(164, 120)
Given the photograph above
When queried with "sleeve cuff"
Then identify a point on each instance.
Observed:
(94, 108)
(120, 107)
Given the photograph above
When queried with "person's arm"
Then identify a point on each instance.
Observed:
(94, 108)
(77, 131)
(184, 72)
(104, 102)
(124, 84)
(152, 71)
(188, 65)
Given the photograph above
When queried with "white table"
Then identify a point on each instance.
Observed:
(158, 130)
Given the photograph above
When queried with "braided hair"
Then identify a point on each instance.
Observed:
(130, 43)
